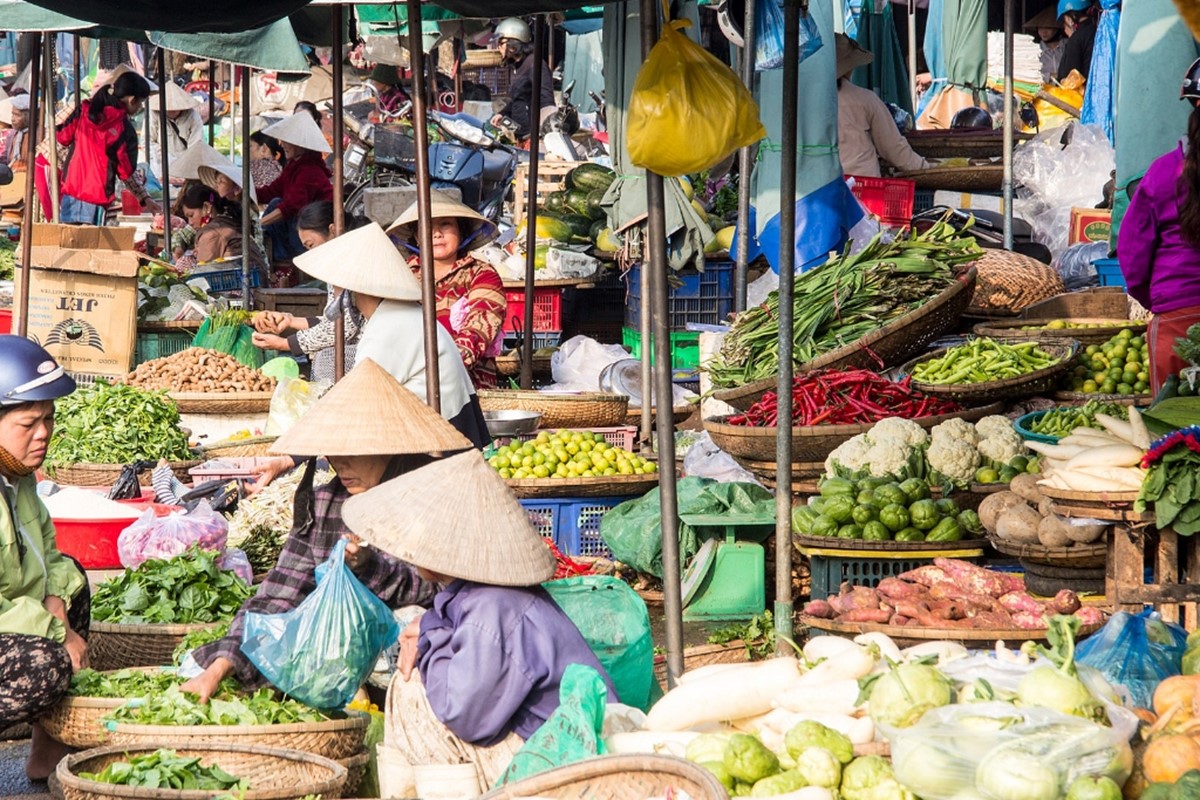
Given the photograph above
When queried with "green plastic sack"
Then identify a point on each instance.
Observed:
(236, 340)
(616, 625)
(573, 731)
(633, 530)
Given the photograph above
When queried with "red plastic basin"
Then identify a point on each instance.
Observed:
(93, 542)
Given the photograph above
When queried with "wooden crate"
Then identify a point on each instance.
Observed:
(298, 302)
(552, 176)
(1173, 589)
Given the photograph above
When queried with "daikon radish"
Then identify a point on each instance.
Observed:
(945, 651)
(1141, 435)
(699, 673)
(1097, 479)
(634, 742)
(887, 648)
(1113, 455)
(731, 694)
(1086, 436)
(1117, 427)
(1129, 477)
(1062, 451)
(838, 697)
(1054, 481)
(853, 663)
(819, 647)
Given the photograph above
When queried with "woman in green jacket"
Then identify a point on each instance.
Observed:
(44, 599)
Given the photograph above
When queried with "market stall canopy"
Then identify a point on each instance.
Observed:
(887, 74)
(23, 16)
(176, 16)
(271, 48)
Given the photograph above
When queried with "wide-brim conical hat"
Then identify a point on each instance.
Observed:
(850, 55)
(1046, 18)
(368, 413)
(121, 70)
(475, 229)
(455, 517)
(363, 260)
(201, 154)
(207, 173)
(177, 99)
(300, 130)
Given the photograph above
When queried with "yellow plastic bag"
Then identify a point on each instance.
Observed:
(688, 110)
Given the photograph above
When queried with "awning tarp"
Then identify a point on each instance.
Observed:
(887, 74)
(19, 15)
(176, 16)
(272, 48)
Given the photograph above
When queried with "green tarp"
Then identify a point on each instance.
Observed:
(273, 48)
(964, 28)
(887, 75)
(181, 16)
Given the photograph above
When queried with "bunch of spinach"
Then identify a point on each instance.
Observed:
(186, 589)
(122, 683)
(174, 707)
(163, 769)
(1172, 488)
(116, 424)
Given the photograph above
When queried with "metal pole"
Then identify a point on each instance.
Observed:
(416, 61)
(27, 217)
(339, 181)
(76, 69)
(51, 213)
(745, 170)
(1007, 184)
(550, 54)
(165, 162)
(656, 265)
(247, 183)
(531, 203)
(212, 97)
(912, 52)
(787, 279)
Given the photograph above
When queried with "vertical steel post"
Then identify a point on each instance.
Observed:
(1009, 121)
(655, 264)
(212, 97)
(51, 213)
(27, 217)
(247, 233)
(416, 61)
(337, 13)
(912, 52)
(165, 162)
(745, 168)
(531, 205)
(787, 279)
(76, 70)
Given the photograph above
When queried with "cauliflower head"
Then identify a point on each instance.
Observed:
(850, 455)
(896, 429)
(993, 424)
(1002, 446)
(955, 429)
(954, 459)
(888, 458)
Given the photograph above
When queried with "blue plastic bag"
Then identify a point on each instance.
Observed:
(321, 651)
(768, 33)
(1135, 651)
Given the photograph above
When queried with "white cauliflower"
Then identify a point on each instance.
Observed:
(955, 429)
(888, 458)
(850, 454)
(896, 429)
(1002, 446)
(955, 459)
(993, 424)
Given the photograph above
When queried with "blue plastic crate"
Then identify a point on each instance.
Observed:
(705, 297)
(1109, 271)
(229, 280)
(572, 522)
(540, 339)
(828, 573)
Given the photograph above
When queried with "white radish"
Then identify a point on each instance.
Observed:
(1091, 436)
(945, 651)
(1055, 450)
(1113, 455)
(819, 647)
(839, 697)
(1129, 477)
(850, 664)
(634, 742)
(746, 692)
(1117, 427)
(707, 671)
(887, 648)
(1141, 435)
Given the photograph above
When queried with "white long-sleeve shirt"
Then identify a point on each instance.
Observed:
(867, 133)
(183, 132)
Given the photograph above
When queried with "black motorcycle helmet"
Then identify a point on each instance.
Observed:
(28, 374)
(972, 117)
(1191, 83)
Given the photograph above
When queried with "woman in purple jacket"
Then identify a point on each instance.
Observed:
(1158, 246)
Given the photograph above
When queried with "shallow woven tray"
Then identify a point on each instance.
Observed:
(216, 403)
(905, 634)
(1017, 388)
(1013, 329)
(107, 474)
(963, 548)
(510, 366)
(986, 177)
(574, 410)
(1078, 555)
(703, 655)
(608, 486)
(815, 442)
(804, 474)
(335, 738)
(356, 770)
(633, 777)
(899, 339)
(1104, 506)
(75, 721)
(240, 448)
(633, 416)
(1079, 398)
(115, 646)
(956, 144)
(281, 774)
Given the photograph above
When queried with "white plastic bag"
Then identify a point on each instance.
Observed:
(577, 364)
(705, 460)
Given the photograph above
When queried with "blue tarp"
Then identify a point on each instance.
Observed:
(1098, 100)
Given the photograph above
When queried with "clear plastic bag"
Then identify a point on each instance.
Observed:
(705, 460)
(321, 651)
(290, 401)
(1075, 264)
(1135, 651)
(152, 536)
(768, 32)
(238, 563)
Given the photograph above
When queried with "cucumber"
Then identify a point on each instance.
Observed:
(590, 176)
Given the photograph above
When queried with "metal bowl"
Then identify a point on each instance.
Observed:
(511, 423)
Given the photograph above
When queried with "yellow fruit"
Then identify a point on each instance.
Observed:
(686, 185)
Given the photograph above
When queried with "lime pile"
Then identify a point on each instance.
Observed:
(1119, 366)
(567, 454)
(1062, 325)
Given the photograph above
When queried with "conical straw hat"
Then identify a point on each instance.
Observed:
(201, 154)
(475, 229)
(363, 260)
(208, 175)
(300, 130)
(455, 517)
(177, 99)
(121, 70)
(368, 413)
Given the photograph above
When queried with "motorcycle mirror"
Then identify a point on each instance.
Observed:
(1028, 116)
(6, 175)
(567, 90)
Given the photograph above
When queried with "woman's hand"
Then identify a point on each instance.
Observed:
(276, 322)
(205, 684)
(269, 471)
(357, 552)
(268, 341)
(406, 662)
(77, 648)
(924, 81)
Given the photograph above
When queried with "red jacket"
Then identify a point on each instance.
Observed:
(102, 153)
(304, 180)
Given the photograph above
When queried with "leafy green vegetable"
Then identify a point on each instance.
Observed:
(186, 589)
(1187, 347)
(174, 707)
(758, 635)
(199, 638)
(8, 253)
(262, 547)
(122, 683)
(163, 769)
(116, 424)
(1172, 490)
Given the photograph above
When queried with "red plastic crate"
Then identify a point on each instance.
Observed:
(547, 310)
(890, 199)
(623, 436)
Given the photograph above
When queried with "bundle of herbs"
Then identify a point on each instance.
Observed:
(164, 769)
(116, 424)
(186, 589)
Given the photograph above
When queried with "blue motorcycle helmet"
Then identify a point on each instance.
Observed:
(903, 119)
(1067, 6)
(28, 374)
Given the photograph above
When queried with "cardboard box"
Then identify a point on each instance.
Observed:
(1090, 225)
(83, 297)
(969, 201)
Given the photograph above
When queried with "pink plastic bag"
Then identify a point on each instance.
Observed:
(152, 536)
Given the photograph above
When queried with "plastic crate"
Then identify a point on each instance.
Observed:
(150, 346)
(922, 200)
(228, 280)
(603, 304)
(685, 348)
(890, 199)
(830, 572)
(622, 436)
(1109, 271)
(572, 522)
(705, 297)
(547, 310)
(540, 339)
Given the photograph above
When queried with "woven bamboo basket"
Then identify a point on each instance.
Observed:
(567, 410)
(959, 144)
(107, 474)
(982, 178)
(1079, 398)
(1015, 329)
(240, 448)
(815, 442)
(221, 403)
(510, 366)
(899, 339)
(681, 412)
(116, 646)
(356, 770)
(1077, 555)
(272, 772)
(703, 655)
(1107, 506)
(335, 738)
(1020, 387)
(75, 721)
(618, 778)
(963, 548)
(609, 486)
(907, 635)
(1103, 302)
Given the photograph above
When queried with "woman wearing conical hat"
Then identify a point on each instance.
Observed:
(481, 670)
(370, 428)
(183, 129)
(305, 179)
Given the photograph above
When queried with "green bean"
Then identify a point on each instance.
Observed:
(982, 360)
(1062, 421)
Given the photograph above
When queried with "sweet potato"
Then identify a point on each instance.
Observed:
(1090, 615)
(911, 608)
(1000, 620)
(928, 576)
(859, 597)
(972, 578)
(1028, 622)
(1065, 602)
(1016, 602)
(994, 505)
(819, 608)
(879, 615)
(1019, 523)
(896, 589)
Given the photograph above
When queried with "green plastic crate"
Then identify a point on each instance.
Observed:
(685, 348)
(150, 346)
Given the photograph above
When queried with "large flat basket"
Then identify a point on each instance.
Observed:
(629, 777)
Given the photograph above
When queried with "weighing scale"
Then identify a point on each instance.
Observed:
(726, 579)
